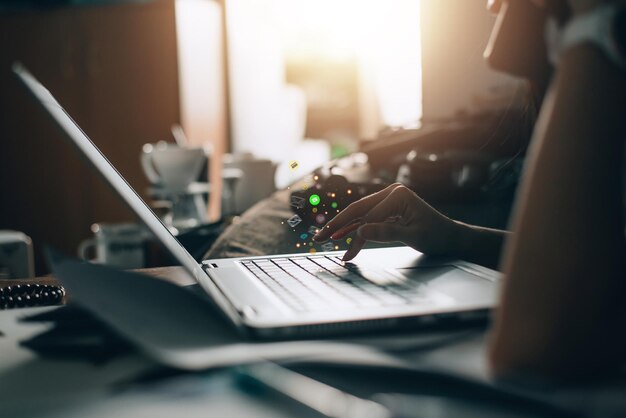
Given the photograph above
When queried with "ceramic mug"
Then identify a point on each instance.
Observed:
(172, 166)
(117, 245)
(256, 181)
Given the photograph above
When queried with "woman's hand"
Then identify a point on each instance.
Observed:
(395, 214)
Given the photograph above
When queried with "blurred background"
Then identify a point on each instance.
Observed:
(256, 85)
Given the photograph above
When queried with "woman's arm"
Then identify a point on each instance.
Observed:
(478, 244)
(397, 214)
(563, 301)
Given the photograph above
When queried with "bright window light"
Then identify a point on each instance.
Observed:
(381, 36)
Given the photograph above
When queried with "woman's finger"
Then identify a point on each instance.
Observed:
(391, 207)
(346, 230)
(381, 232)
(355, 247)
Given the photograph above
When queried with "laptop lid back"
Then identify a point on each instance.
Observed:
(95, 157)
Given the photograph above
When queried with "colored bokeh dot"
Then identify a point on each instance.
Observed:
(314, 210)
(334, 205)
(314, 200)
(320, 219)
(312, 250)
(348, 241)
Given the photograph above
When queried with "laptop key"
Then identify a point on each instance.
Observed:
(316, 283)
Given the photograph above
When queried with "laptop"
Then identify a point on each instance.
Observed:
(304, 295)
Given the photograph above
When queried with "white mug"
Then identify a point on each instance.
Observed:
(171, 166)
(117, 245)
(256, 181)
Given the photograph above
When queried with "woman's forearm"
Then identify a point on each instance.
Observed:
(564, 265)
(478, 244)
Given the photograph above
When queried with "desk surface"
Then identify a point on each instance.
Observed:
(59, 386)
(64, 386)
(173, 274)
(176, 275)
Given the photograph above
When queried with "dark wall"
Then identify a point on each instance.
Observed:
(114, 69)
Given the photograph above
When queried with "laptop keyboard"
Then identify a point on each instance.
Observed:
(324, 282)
